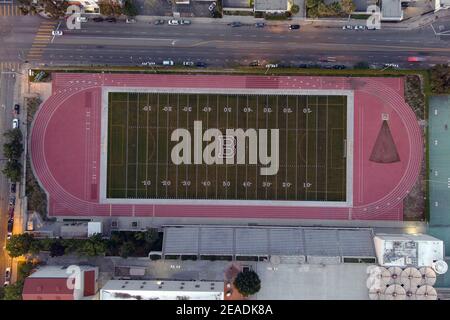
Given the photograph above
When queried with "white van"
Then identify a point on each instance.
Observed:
(168, 63)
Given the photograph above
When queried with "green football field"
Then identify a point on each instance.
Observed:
(312, 159)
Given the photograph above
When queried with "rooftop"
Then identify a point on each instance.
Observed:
(268, 241)
(271, 5)
(391, 9)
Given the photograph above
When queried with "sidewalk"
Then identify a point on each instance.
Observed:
(408, 24)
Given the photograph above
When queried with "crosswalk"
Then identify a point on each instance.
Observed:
(9, 66)
(9, 9)
(41, 40)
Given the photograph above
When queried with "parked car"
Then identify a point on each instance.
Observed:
(111, 19)
(159, 21)
(360, 27)
(168, 63)
(98, 19)
(200, 64)
(10, 225)
(254, 63)
(149, 63)
(272, 65)
(347, 27)
(11, 213)
(12, 188)
(212, 6)
(57, 33)
(339, 67)
(260, 24)
(185, 21)
(16, 108)
(8, 273)
(173, 22)
(303, 65)
(12, 201)
(391, 65)
(294, 27)
(235, 24)
(15, 123)
(130, 20)
(188, 63)
(82, 19)
(9, 235)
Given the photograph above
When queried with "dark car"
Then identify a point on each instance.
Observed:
(260, 24)
(159, 21)
(17, 108)
(201, 64)
(111, 19)
(339, 67)
(303, 65)
(294, 26)
(13, 188)
(11, 213)
(254, 63)
(235, 24)
(10, 225)
(98, 19)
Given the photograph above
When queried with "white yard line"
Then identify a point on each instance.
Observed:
(157, 146)
(137, 146)
(146, 148)
(296, 151)
(126, 152)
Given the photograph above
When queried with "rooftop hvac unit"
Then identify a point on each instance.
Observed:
(411, 294)
(394, 292)
(395, 274)
(114, 224)
(426, 292)
(440, 267)
(428, 276)
(410, 278)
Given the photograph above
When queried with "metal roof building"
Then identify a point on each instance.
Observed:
(294, 244)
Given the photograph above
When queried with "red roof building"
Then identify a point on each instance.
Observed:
(61, 283)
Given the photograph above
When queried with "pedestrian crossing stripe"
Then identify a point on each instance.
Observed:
(9, 66)
(41, 40)
(10, 10)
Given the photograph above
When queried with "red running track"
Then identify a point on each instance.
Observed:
(65, 146)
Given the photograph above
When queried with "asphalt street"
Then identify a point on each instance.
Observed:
(216, 44)
(7, 81)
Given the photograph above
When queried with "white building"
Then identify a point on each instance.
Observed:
(162, 290)
(404, 250)
(441, 4)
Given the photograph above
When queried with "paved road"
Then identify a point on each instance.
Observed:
(222, 45)
(214, 43)
(7, 81)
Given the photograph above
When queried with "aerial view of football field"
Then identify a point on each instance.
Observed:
(307, 156)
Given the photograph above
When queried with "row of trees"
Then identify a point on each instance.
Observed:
(318, 8)
(12, 151)
(122, 244)
(14, 291)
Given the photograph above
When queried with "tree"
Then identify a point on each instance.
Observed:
(14, 291)
(19, 244)
(57, 249)
(348, 6)
(312, 3)
(129, 8)
(127, 249)
(13, 170)
(440, 79)
(247, 283)
(109, 8)
(55, 9)
(295, 9)
(12, 150)
(13, 135)
(94, 246)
